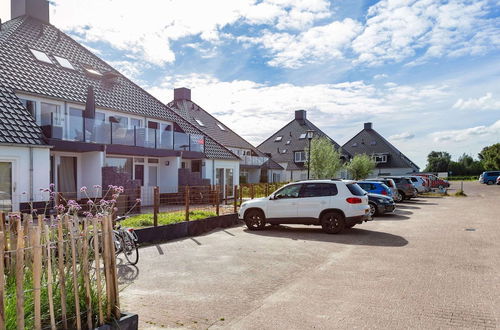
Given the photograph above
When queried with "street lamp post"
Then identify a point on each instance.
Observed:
(310, 135)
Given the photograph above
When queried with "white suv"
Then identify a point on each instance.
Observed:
(333, 204)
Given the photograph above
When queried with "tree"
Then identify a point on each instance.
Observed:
(466, 165)
(361, 166)
(490, 156)
(325, 161)
(438, 161)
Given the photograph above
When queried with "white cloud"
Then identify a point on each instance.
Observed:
(395, 30)
(314, 45)
(146, 29)
(257, 110)
(486, 102)
(491, 132)
(380, 76)
(402, 136)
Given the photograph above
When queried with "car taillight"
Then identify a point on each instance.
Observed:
(354, 200)
(130, 230)
(384, 192)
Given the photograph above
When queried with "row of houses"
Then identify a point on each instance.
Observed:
(70, 119)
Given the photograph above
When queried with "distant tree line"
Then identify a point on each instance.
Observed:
(488, 159)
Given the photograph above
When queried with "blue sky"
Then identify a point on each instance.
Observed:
(425, 72)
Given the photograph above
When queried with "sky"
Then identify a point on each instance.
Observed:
(426, 73)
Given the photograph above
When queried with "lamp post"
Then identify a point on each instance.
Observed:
(309, 135)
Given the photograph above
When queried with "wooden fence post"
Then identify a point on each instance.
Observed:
(37, 272)
(20, 276)
(227, 194)
(2, 279)
(235, 199)
(241, 194)
(217, 196)
(186, 202)
(72, 228)
(112, 266)
(49, 278)
(98, 269)
(86, 277)
(106, 260)
(156, 204)
(267, 189)
(60, 264)
(252, 191)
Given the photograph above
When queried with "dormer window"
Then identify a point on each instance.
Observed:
(355, 144)
(284, 151)
(199, 122)
(379, 158)
(41, 56)
(278, 138)
(302, 136)
(221, 127)
(64, 62)
(372, 143)
(288, 142)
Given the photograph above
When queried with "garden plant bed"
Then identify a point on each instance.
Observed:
(127, 321)
(185, 228)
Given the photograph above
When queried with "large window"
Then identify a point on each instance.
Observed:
(379, 158)
(30, 106)
(121, 165)
(300, 156)
(75, 124)
(319, 190)
(51, 114)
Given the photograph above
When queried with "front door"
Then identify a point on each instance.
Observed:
(284, 203)
(6, 186)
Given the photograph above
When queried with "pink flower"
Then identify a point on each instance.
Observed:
(115, 209)
(138, 200)
(96, 186)
(83, 189)
(90, 202)
(52, 185)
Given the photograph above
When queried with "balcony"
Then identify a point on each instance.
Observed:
(101, 132)
(253, 160)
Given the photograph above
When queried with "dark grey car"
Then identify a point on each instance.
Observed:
(405, 187)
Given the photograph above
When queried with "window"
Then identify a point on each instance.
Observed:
(196, 165)
(355, 189)
(75, 124)
(51, 114)
(302, 136)
(300, 156)
(221, 127)
(284, 151)
(153, 161)
(354, 144)
(366, 186)
(319, 190)
(41, 56)
(120, 165)
(278, 138)
(135, 122)
(288, 192)
(380, 158)
(199, 122)
(64, 62)
(373, 143)
(139, 160)
(30, 106)
(288, 142)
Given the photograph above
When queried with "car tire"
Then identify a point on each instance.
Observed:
(398, 198)
(403, 196)
(255, 220)
(332, 222)
(490, 182)
(373, 210)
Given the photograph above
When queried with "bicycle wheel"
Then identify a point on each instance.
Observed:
(130, 249)
(117, 240)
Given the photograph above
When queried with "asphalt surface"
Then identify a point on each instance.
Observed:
(432, 264)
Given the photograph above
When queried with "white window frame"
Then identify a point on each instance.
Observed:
(199, 122)
(41, 56)
(64, 62)
(278, 138)
(380, 158)
(221, 127)
(302, 158)
(302, 136)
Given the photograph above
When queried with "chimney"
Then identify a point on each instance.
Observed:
(35, 8)
(300, 116)
(182, 93)
(368, 125)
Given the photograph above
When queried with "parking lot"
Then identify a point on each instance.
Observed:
(432, 264)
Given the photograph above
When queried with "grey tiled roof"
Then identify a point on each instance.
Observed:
(20, 71)
(291, 132)
(369, 142)
(227, 137)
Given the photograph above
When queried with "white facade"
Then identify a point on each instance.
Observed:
(30, 168)
(392, 171)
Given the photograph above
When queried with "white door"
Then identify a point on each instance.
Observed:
(6, 186)
(284, 202)
(314, 198)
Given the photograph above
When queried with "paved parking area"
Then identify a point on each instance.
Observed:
(433, 264)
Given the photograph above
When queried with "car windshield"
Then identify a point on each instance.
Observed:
(355, 189)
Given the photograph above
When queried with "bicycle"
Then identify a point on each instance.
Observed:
(125, 240)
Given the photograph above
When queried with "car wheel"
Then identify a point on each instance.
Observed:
(403, 196)
(490, 182)
(332, 222)
(373, 209)
(398, 198)
(254, 219)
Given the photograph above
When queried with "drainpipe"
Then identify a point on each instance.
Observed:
(31, 173)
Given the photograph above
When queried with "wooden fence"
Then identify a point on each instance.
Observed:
(52, 277)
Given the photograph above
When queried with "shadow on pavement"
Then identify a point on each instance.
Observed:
(405, 206)
(126, 273)
(391, 217)
(353, 236)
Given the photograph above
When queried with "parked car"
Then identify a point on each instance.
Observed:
(489, 177)
(375, 187)
(435, 182)
(405, 187)
(380, 204)
(333, 204)
(419, 182)
(498, 180)
(389, 183)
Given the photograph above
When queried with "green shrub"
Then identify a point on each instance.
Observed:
(146, 220)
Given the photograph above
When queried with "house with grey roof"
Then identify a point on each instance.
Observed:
(69, 118)
(255, 166)
(289, 144)
(390, 161)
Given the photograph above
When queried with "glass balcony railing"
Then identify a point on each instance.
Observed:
(253, 160)
(98, 131)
